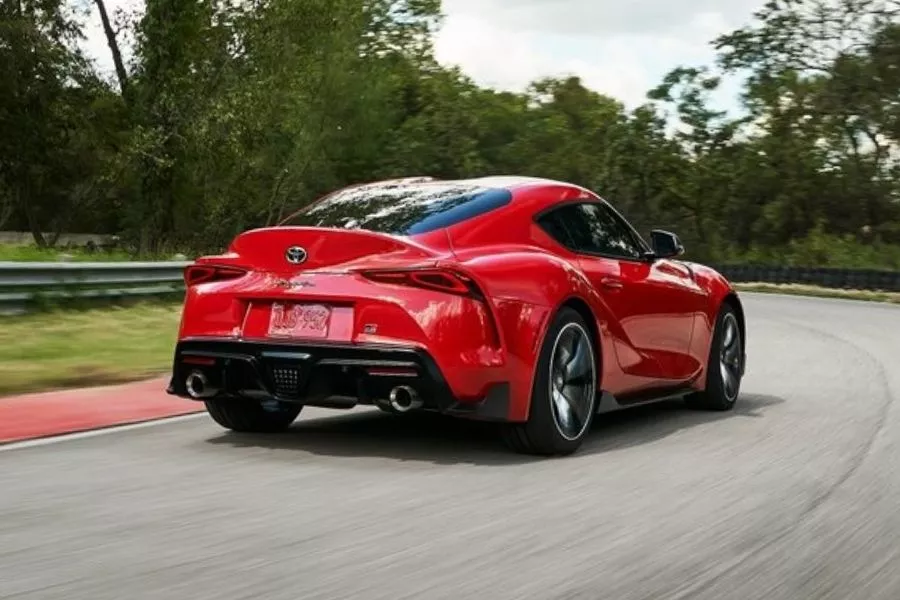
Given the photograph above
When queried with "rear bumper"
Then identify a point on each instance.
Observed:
(315, 374)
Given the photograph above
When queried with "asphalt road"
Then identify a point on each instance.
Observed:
(794, 495)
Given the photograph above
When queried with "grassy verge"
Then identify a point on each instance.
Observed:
(90, 347)
(24, 253)
(34, 254)
(797, 289)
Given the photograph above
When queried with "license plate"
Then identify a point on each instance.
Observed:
(299, 320)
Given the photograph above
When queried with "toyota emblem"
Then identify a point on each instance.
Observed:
(295, 255)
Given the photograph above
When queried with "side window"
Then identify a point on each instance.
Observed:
(554, 223)
(622, 241)
(592, 228)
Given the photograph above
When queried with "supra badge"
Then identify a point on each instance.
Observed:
(295, 255)
(289, 284)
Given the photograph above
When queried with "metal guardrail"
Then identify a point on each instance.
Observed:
(22, 284)
(827, 277)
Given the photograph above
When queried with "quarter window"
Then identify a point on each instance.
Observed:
(592, 228)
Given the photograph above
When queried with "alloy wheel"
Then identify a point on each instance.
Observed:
(730, 357)
(572, 380)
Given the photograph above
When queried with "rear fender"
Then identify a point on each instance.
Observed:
(525, 306)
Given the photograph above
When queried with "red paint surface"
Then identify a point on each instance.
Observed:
(68, 411)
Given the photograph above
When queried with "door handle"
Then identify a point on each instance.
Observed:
(611, 283)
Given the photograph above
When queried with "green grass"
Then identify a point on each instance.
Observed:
(797, 289)
(62, 349)
(35, 254)
(28, 253)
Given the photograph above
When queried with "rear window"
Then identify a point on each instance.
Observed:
(401, 208)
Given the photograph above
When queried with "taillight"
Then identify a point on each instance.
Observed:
(194, 274)
(443, 280)
(433, 279)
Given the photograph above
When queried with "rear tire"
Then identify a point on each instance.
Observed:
(725, 365)
(564, 396)
(251, 416)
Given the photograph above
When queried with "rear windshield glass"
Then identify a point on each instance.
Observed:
(401, 208)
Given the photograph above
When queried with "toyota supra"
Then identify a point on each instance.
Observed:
(527, 302)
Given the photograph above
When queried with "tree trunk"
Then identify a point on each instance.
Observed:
(31, 216)
(114, 49)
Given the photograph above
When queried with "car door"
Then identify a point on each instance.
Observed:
(654, 302)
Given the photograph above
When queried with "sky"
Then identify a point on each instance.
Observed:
(618, 47)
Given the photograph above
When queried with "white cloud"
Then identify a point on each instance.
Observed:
(619, 48)
(598, 17)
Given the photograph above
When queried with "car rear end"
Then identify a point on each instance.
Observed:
(326, 314)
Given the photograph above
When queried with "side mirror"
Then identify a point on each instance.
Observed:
(665, 244)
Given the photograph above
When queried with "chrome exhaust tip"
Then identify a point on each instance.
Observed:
(198, 387)
(404, 398)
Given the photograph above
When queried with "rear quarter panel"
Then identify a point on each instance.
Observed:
(526, 288)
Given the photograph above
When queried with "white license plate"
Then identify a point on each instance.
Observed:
(288, 320)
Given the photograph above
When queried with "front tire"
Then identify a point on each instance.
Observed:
(252, 416)
(564, 396)
(725, 365)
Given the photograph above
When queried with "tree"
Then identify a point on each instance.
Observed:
(42, 110)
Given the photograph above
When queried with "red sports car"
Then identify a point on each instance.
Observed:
(528, 302)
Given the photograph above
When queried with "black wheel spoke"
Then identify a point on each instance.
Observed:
(731, 353)
(729, 340)
(579, 365)
(564, 352)
(571, 394)
(728, 379)
(568, 413)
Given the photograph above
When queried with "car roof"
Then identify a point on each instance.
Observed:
(507, 182)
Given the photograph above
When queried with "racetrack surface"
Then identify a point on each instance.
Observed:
(793, 495)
